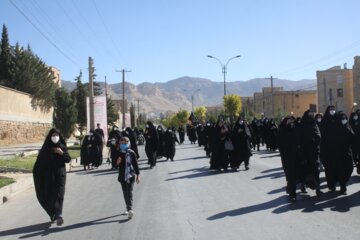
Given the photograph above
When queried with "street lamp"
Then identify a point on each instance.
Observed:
(192, 98)
(224, 68)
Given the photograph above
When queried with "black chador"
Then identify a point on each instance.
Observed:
(112, 142)
(289, 153)
(310, 138)
(91, 152)
(50, 175)
(160, 150)
(342, 166)
(170, 141)
(241, 140)
(354, 122)
(151, 144)
(219, 156)
(131, 134)
(181, 131)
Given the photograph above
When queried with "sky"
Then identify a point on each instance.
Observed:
(162, 40)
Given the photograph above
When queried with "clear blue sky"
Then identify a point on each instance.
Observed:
(161, 40)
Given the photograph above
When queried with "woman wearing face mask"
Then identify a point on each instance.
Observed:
(50, 175)
(354, 122)
(170, 141)
(128, 173)
(329, 141)
(342, 167)
(240, 137)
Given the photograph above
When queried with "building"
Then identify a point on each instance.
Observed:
(335, 87)
(275, 101)
(356, 80)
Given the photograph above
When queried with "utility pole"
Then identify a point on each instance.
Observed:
(106, 93)
(272, 95)
(138, 103)
(91, 91)
(123, 97)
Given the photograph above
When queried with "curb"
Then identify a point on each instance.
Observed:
(24, 181)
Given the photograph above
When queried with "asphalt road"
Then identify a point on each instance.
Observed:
(184, 200)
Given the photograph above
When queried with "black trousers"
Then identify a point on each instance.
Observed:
(127, 188)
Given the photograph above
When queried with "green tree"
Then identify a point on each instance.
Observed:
(112, 115)
(200, 113)
(232, 105)
(182, 117)
(5, 59)
(65, 112)
(79, 95)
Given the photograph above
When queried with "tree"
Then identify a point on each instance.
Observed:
(79, 95)
(5, 59)
(65, 113)
(112, 115)
(232, 105)
(200, 113)
(182, 117)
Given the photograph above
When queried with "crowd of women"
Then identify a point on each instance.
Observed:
(331, 141)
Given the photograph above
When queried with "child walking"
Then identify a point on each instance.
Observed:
(128, 173)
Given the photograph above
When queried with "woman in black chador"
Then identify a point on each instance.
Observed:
(354, 122)
(151, 144)
(240, 137)
(181, 131)
(91, 150)
(310, 138)
(328, 145)
(342, 166)
(170, 141)
(50, 175)
(219, 156)
(289, 153)
(160, 150)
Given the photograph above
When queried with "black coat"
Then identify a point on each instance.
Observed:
(170, 141)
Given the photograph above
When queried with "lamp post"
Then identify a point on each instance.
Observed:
(224, 68)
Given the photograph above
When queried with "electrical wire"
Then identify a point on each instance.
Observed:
(42, 34)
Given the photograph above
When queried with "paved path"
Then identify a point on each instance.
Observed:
(184, 200)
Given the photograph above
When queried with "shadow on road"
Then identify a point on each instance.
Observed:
(197, 172)
(44, 229)
(329, 200)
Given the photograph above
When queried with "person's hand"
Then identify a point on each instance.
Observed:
(118, 161)
(58, 151)
(138, 179)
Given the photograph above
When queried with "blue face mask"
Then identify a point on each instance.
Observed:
(124, 147)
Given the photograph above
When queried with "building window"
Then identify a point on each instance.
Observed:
(340, 92)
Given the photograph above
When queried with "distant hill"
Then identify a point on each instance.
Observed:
(176, 94)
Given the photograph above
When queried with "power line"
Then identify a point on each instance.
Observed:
(42, 34)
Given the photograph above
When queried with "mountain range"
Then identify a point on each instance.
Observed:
(177, 94)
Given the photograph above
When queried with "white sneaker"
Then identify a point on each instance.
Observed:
(131, 214)
(126, 213)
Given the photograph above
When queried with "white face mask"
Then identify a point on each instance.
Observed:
(355, 117)
(318, 119)
(332, 112)
(343, 121)
(55, 139)
(90, 133)
(241, 122)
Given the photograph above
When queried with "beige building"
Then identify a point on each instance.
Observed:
(335, 87)
(274, 101)
(356, 80)
(57, 75)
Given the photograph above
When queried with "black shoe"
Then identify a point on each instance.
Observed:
(247, 167)
(292, 197)
(343, 190)
(59, 221)
(53, 218)
(319, 193)
(303, 189)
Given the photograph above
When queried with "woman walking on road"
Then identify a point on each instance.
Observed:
(128, 173)
(50, 175)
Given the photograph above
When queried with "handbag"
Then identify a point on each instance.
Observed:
(229, 145)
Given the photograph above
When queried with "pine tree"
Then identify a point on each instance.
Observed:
(5, 59)
(79, 95)
(65, 112)
(112, 115)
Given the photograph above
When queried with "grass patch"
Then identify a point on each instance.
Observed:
(29, 161)
(5, 181)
